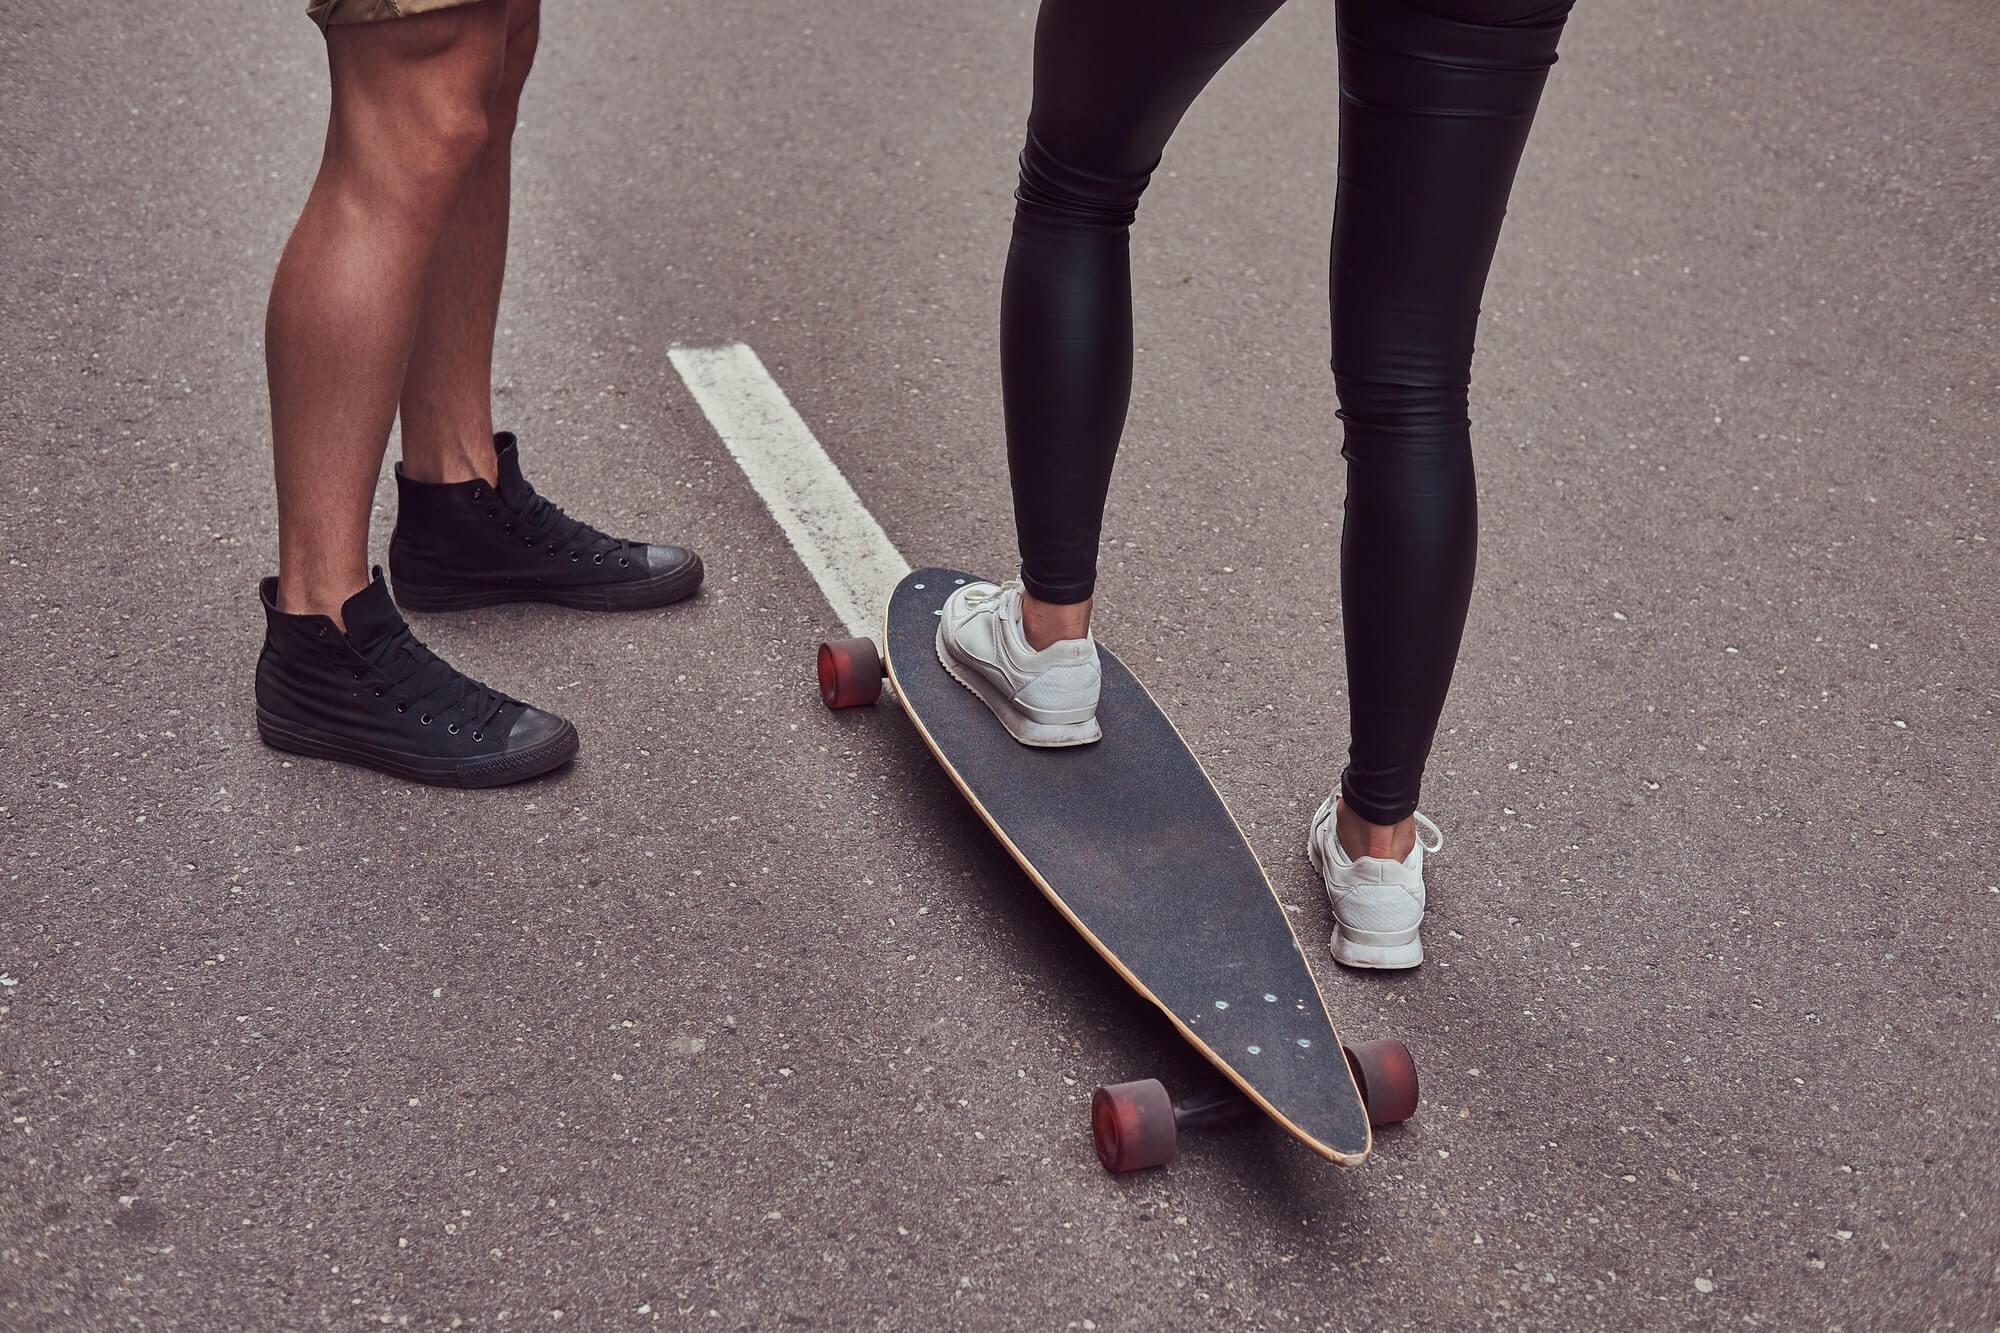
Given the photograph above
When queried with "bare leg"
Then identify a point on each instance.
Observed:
(1048, 622)
(447, 393)
(1360, 838)
(410, 98)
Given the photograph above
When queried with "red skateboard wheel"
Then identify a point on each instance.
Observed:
(1387, 1077)
(1133, 1124)
(850, 673)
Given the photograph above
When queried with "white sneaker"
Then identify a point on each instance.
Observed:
(1377, 903)
(1046, 698)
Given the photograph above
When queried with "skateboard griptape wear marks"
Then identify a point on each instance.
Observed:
(1131, 842)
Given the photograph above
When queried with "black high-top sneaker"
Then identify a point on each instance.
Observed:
(464, 544)
(375, 696)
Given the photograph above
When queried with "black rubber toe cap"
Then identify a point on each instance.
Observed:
(540, 733)
(663, 561)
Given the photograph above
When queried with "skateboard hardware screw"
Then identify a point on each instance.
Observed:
(1270, 999)
(1222, 1004)
(1254, 1050)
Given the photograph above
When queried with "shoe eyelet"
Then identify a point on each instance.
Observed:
(453, 728)
(549, 550)
(357, 675)
(508, 528)
(623, 562)
(597, 559)
(378, 694)
(478, 736)
(527, 541)
(322, 631)
(572, 557)
(425, 720)
(402, 708)
(479, 490)
(492, 511)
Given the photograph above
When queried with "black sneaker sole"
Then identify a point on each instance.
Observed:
(487, 771)
(624, 595)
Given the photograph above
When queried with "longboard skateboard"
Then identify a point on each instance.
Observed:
(1130, 841)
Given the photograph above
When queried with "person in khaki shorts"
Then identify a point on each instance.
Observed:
(385, 301)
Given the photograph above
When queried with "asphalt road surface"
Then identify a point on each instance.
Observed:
(744, 1021)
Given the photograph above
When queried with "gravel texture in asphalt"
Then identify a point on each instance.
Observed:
(744, 1020)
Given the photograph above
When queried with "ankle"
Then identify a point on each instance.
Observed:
(1359, 838)
(446, 460)
(301, 595)
(1046, 623)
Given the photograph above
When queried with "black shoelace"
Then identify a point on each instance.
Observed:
(421, 680)
(544, 522)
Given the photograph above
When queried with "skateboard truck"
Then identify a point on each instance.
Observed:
(1137, 1125)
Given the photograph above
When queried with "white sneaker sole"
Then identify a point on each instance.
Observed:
(1383, 950)
(1044, 735)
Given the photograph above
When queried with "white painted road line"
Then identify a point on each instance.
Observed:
(842, 545)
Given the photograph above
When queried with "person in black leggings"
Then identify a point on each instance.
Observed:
(1436, 100)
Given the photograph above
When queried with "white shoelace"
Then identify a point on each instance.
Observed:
(1424, 822)
(978, 596)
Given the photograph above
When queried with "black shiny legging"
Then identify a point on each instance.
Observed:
(1436, 98)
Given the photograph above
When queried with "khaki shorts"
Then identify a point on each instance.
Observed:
(328, 12)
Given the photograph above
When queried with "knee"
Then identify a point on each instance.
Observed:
(413, 107)
(441, 148)
(1402, 355)
(1499, 45)
(1528, 14)
(1403, 427)
(1061, 191)
(410, 171)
